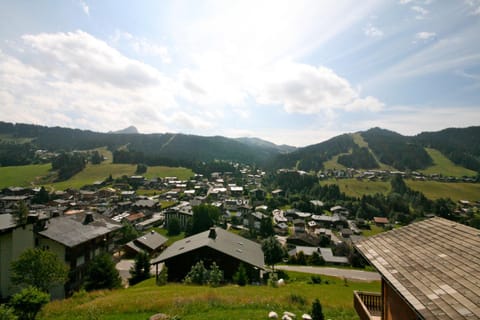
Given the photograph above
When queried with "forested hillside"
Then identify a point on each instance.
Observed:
(396, 150)
(461, 146)
(313, 157)
(148, 148)
(19, 143)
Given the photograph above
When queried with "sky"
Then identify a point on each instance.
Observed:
(290, 72)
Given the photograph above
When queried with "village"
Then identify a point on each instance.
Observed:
(79, 225)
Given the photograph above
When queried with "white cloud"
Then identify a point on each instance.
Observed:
(85, 7)
(421, 12)
(305, 89)
(474, 6)
(75, 79)
(424, 35)
(373, 32)
(143, 46)
(78, 56)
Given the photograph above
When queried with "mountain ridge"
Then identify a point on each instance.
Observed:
(368, 149)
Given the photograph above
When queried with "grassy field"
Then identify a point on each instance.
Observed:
(162, 172)
(22, 176)
(455, 191)
(444, 166)
(92, 173)
(198, 303)
(33, 174)
(356, 188)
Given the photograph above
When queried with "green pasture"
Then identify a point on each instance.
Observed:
(357, 188)
(189, 302)
(23, 176)
(453, 190)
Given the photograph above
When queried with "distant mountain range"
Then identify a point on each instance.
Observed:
(369, 149)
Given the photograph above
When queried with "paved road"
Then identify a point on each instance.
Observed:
(335, 272)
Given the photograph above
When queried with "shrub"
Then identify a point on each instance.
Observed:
(297, 299)
(7, 313)
(163, 276)
(215, 275)
(316, 279)
(28, 302)
(197, 275)
(240, 277)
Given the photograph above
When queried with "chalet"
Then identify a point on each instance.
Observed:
(77, 239)
(224, 248)
(326, 221)
(236, 191)
(281, 228)
(380, 221)
(183, 212)
(151, 243)
(278, 193)
(429, 271)
(134, 218)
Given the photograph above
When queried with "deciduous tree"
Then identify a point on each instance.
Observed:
(39, 268)
(273, 251)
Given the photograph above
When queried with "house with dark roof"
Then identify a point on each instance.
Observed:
(226, 249)
(77, 239)
(151, 242)
(430, 270)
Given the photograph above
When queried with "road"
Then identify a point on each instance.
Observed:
(335, 272)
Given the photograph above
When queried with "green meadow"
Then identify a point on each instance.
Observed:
(188, 302)
(23, 176)
(442, 165)
(357, 188)
(453, 190)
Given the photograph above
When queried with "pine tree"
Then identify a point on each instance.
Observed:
(141, 269)
(317, 313)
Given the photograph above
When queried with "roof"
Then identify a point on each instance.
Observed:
(432, 264)
(7, 221)
(151, 240)
(380, 220)
(226, 242)
(71, 231)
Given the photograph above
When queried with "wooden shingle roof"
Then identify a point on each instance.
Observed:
(433, 264)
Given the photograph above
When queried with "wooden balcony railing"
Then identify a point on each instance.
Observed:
(368, 305)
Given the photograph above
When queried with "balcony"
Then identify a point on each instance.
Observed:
(368, 305)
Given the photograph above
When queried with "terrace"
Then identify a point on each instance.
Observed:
(368, 305)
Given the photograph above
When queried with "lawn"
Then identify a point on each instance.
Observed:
(374, 230)
(442, 165)
(356, 188)
(455, 191)
(171, 239)
(226, 302)
(22, 176)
